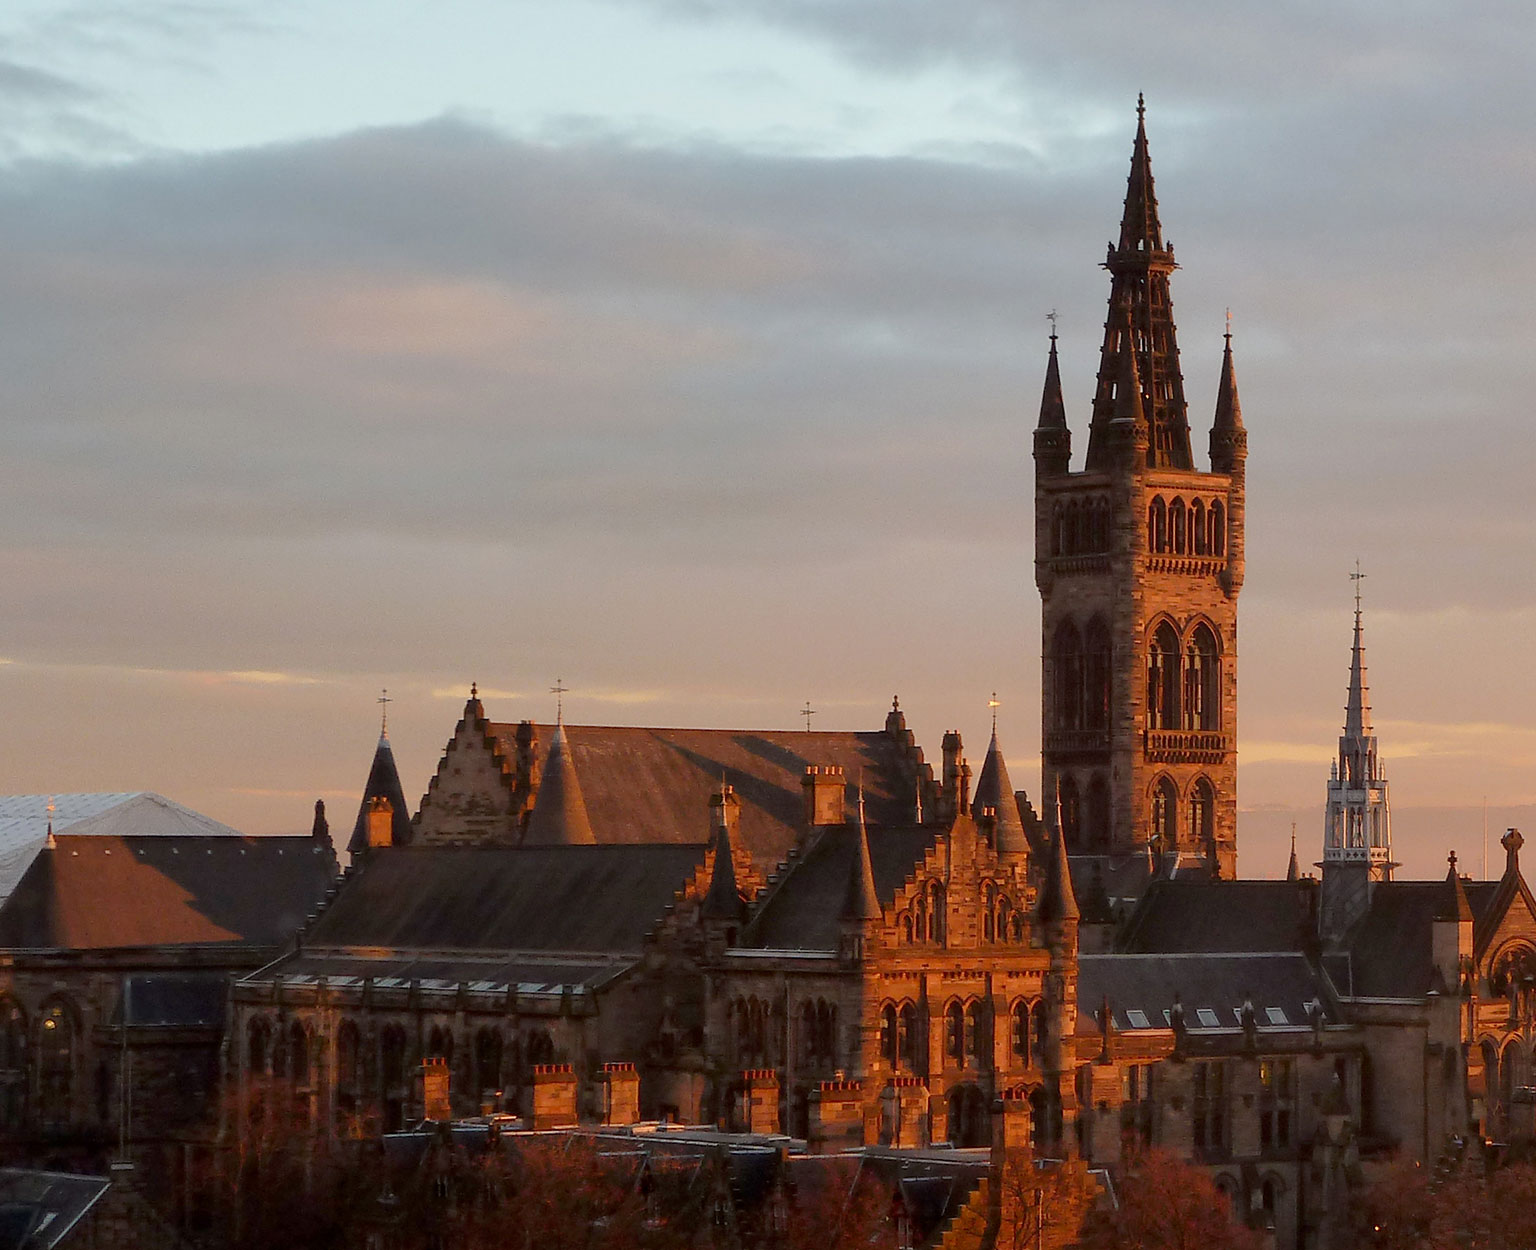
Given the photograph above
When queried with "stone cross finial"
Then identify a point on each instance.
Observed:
(1512, 841)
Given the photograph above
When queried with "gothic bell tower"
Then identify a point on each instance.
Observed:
(1139, 560)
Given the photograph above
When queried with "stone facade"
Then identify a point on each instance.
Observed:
(1139, 561)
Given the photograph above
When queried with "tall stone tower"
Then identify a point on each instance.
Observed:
(1139, 560)
(1357, 826)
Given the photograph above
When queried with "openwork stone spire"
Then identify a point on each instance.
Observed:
(1141, 320)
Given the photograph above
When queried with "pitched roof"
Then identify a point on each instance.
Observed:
(647, 785)
(1185, 917)
(559, 816)
(24, 821)
(90, 893)
(383, 783)
(1149, 984)
(801, 912)
(530, 898)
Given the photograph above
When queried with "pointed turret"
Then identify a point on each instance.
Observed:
(1357, 711)
(860, 900)
(320, 831)
(1058, 902)
(1229, 440)
(994, 791)
(1293, 869)
(559, 816)
(1453, 899)
(1053, 440)
(724, 901)
(1141, 321)
(383, 787)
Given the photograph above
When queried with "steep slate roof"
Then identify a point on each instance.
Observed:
(491, 971)
(653, 785)
(802, 911)
(97, 892)
(1187, 917)
(383, 783)
(526, 898)
(1218, 983)
(995, 790)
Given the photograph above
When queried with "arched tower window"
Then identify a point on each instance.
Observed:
(1096, 675)
(1199, 538)
(1163, 679)
(1067, 671)
(1218, 525)
(1165, 814)
(954, 1032)
(1096, 819)
(935, 912)
(906, 1036)
(888, 1042)
(348, 1075)
(1019, 1032)
(1071, 809)
(1202, 814)
(1157, 525)
(1176, 526)
(1202, 681)
(1058, 537)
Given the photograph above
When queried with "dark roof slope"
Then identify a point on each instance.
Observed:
(654, 785)
(97, 892)
(1390, 950)
(802, 912)
(1216, 983)
(552, 898)
(1193, 916)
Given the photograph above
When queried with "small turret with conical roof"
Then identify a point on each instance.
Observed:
(383, 818)
(559, 816)
(1058, 901)
(1053, 440)
(994, 805)
(1229, 439)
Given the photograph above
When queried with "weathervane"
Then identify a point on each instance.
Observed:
(1051, 317)
(559, 690)
(384, 701)
(994, 705)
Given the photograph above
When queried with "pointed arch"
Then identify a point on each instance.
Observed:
(1097, 675)
(1199, 536)
(1176, 536)
(1067, 676)
(1202, 680)
(1218, 524)
(1071, 809)
(1157, 525)
(1096, 814)
(1202, 813)
(1163, 663)
(1165, 813)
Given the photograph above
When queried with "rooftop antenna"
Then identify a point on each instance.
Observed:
(559, 690)
(807, 711)
(384, 701)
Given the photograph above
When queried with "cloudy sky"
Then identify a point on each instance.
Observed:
(688, 350)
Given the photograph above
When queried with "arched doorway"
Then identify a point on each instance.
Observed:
(969, 1121)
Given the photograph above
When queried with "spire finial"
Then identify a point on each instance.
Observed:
(559, 690)
(1141, 107)
(50, 821)
(1451, 859)
(384, 701)
(994, 705)
(1051, 317)
(1357, 577)
(474, 690)
(1228, 334)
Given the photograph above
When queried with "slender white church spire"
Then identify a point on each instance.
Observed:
(1357, 827)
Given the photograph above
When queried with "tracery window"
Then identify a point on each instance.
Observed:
(56, 1063)
(13, 1064)
(1202, 681)
(1202, 813)
(1199, 536)
(1071, 809)
(1165, 818)
(348, 1074)
(1176, 526)
(1157, 525)
(907, 1036)
(1019, 1032)
(954, 1032)
(1163, 679)
(1097, 676)
(1067, 673)
(1218, 524)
